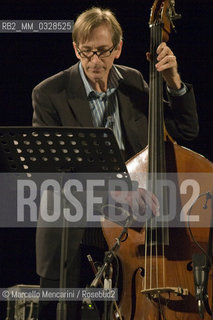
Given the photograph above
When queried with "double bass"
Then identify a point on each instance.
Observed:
(156, 261)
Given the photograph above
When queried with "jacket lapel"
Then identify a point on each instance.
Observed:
(77, 98)
(133, 118)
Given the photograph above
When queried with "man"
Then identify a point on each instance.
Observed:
(96, 92)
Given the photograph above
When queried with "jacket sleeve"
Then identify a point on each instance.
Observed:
(181, 117)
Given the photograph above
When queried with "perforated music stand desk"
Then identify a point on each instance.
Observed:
(60, 149)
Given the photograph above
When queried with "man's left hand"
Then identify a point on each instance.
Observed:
(167, 64)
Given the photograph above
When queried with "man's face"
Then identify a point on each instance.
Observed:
(97, 68)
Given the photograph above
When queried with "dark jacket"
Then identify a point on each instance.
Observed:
(61, 101)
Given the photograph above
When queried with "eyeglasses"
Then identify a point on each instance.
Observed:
(100, 53)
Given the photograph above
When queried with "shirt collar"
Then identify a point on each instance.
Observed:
(113, 81)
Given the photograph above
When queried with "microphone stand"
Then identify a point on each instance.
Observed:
(61, 309)
(210, 252)
(209, 263)
(201, 265)
(108, 259)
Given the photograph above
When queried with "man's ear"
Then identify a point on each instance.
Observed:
(76, 50)
(118, 50)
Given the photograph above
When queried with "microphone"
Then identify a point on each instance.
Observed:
(200, 270)
(110, 122)
(108, 277)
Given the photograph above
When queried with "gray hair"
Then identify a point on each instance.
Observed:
(93, 18)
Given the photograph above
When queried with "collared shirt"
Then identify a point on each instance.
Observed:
(104, 105)
(179, 92)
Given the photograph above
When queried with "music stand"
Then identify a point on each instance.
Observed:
(60, 149)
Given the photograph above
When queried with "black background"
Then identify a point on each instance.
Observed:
(26, 59)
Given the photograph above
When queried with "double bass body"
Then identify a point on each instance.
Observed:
(176, 263)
